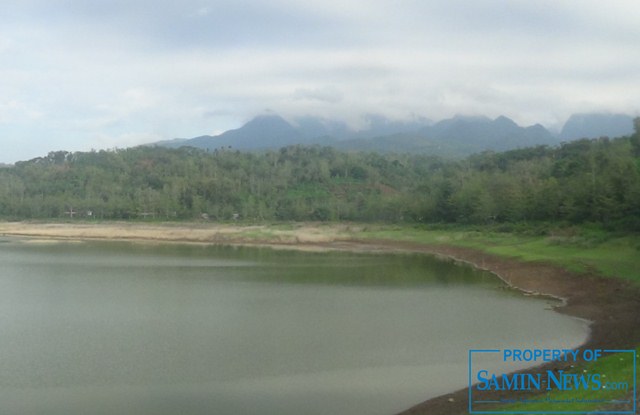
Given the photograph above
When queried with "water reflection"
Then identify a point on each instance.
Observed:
(165, 329)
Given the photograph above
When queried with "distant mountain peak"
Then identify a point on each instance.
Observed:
(505, 121)
(267, 119)
(595, 125)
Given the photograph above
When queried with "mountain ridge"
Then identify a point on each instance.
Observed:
(457, 136)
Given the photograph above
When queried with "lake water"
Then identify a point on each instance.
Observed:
(116, 328)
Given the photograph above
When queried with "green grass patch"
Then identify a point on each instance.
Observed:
(616, 371)
(576, 249)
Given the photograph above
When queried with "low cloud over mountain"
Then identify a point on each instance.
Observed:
(457, 136)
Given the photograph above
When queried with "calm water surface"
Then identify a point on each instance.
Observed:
(114, 328)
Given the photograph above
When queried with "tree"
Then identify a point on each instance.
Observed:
(635, 138)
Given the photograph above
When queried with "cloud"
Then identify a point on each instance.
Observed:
(15, 111)
(136, 68)
(203, 11)
(326, 94)
(129, 139)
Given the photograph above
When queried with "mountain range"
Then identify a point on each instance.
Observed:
(455, 137)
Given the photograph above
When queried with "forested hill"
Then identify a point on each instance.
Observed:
(581, 181)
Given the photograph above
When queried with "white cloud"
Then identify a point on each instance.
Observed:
(16, 111)
(107, 141)
(102, 70)
(326, 94)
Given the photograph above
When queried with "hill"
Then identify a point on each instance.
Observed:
(583, 181)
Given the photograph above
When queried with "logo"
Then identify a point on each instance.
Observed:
(595, 387)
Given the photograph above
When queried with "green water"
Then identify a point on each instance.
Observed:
(114, 328)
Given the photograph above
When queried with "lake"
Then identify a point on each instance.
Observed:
(119, 328)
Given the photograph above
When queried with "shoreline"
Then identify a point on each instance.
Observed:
(611, 305)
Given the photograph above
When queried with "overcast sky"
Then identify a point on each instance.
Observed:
(82, 74)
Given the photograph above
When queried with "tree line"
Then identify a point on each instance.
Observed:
(583, 181)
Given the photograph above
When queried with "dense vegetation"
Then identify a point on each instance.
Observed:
(577, 182)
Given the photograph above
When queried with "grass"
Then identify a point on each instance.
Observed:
(576, 249)
(617, 368)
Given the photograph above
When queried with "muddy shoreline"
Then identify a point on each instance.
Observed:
(611, 305)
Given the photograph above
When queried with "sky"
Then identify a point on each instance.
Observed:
(78, 75)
